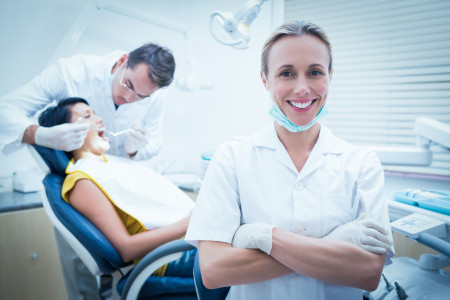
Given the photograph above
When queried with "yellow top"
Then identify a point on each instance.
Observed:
(132, 225)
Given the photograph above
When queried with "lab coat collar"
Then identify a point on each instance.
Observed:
(326, 143)
(267, 137)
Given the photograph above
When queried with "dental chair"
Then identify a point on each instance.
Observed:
(204, 293)
(97, 253)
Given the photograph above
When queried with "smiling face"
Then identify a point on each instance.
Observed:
(95, 142)
(298, 78)
(131, 85)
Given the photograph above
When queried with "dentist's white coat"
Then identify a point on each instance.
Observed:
(254, 180)
(88, 77)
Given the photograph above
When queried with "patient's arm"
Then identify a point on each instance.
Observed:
(92, 203)
(223, 265)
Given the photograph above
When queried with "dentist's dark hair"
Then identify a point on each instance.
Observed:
(159, 59)
(60, 113)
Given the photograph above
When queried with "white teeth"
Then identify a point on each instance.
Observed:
(102, 129)
(301, 105)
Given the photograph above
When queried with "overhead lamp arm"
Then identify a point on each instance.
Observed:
(228, 23)
(249, 11)
(234, 28)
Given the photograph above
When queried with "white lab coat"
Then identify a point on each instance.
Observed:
(254, 180)
(88, 77)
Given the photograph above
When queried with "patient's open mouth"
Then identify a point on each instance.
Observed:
(101, 132)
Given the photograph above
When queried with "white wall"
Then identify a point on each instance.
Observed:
(29, 33)
(32, 33)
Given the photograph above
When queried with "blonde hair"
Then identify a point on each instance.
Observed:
(294, 28)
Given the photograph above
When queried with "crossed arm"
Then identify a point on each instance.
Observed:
(92, 203)
(333, 261)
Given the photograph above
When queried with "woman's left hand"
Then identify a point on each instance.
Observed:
(364, 233)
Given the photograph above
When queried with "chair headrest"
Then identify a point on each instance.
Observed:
(56, 160)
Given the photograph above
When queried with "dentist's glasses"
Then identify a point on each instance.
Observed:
(136, 96)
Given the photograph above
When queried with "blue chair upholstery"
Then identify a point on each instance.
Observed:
(204, 293)
(137, 283)
(93, 240)
(56, 160)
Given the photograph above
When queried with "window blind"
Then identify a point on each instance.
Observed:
(391, 63)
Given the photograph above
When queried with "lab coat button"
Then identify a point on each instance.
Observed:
(298, 230)
(299, 185)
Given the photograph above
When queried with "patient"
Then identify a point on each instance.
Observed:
(135, 208)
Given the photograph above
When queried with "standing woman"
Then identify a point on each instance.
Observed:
(293, 212)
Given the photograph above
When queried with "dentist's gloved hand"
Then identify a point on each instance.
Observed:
(364, 233)
(254, 236)
(66, 137)
(136, 139)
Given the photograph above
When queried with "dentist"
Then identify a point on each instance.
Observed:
(123, 88)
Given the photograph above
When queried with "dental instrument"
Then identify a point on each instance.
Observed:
(112, 133)
(118, 132)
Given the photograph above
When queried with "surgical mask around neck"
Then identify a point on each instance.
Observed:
(111, 78)
(281, 118)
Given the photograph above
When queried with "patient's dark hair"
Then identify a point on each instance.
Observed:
(59, 114)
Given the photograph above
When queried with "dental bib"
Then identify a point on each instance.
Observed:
(282, 120)
(137, 190)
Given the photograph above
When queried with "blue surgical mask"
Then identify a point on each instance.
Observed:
(281, 118)
(111, 78)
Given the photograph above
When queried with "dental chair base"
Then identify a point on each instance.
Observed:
(417, 282)
(97, 253)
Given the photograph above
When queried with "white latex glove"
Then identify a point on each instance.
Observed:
(136, 139)
(66, 137)
(254, 236)
(364, 233)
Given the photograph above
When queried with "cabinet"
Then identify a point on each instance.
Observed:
(30, 267)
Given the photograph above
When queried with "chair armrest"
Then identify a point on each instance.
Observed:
(150, 263)
(204, 293)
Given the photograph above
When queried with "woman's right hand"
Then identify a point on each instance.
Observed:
(254, 236)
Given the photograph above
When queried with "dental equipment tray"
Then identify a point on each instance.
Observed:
(434, 200)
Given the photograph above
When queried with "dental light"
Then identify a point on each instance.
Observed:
(428, 131)
(234, 30)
